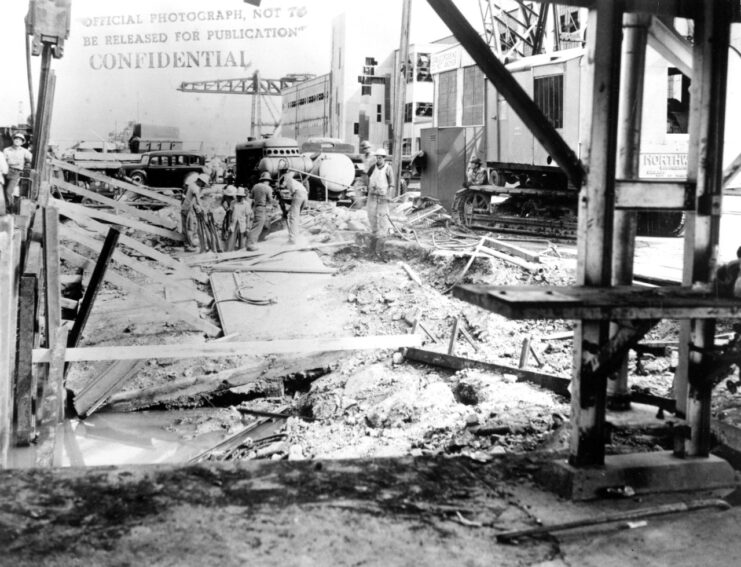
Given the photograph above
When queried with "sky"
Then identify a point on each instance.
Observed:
(96, 94)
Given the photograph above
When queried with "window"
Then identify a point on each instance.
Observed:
(569, 22)
(548, 96)
(447, 98)
(473, 96)
(365, 90)
(379, 113)
(677, 102)
(406, 146)
(408, 112)
(424, 109)
(423, 68)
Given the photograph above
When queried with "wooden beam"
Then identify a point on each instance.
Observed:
(116, 183)
(599, 303)
(671, 46)
(557, 384)
(51, 270)
(145, 216)
(646, 195)
(163, 259)
(96, 280)
(53, 402)
(704, 168)
(126, 284)
(25, 383)
(65, 207)
(7, 334)
(510, 89)
(251, 348)
(120, 258)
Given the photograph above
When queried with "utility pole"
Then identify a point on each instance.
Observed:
(401, 91)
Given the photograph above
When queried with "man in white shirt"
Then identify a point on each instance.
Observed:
(380, 184)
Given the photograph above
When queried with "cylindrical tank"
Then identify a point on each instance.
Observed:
(275, 164)
(336, 171)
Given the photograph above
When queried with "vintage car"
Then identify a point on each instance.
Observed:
(165, 168)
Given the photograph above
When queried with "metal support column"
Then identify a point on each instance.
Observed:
(635, 34)
(596, 207)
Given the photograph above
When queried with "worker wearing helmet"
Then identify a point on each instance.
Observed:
(262, 198)
(299, 197)
(18, 158)
(227, 198)
(191, 203)
(240, 221)
(380, 185)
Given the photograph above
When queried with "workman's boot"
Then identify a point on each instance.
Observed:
(372, 244)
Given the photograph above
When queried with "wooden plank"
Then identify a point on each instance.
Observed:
(513, 250)
(276, 270)
(65, 207)
(692, 388)
(599, 303)
(117, 205)
(25, 384)
(53, 402)
(556, 384)
(126, 284)
(119, 257)
(117, 183)
(143, 249)
(96, 280)
(244, 348)
(7, 332)
(646, 195)
(103, 386)
(52, 289)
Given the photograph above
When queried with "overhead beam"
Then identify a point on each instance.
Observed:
(671, 46)
(510, 89)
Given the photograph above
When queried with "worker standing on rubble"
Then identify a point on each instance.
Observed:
(240, 221)
(369, 159)
(380, 181)
(227, 199)
(18, 159)
(262, 198)
(299, 197)
(191, 203)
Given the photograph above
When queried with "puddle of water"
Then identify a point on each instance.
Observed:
(135, 438)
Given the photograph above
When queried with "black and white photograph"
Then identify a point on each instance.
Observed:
(392, 283)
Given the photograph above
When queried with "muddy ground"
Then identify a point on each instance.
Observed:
(440, 459)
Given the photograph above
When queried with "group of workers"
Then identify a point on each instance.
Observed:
(246, 213)
(13, 160)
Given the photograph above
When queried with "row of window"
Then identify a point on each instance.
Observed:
(547, 95)
(169, 161)
(303, 101)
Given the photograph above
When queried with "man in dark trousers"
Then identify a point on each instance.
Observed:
(262, 198)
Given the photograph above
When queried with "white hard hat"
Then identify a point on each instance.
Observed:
(230, 191)
(381, 152)
(240, 191)
(204, 178)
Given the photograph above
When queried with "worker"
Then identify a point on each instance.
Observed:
(299, 197)
(476, 173)
(262, 198)
(240, 221)
(191, 203)
(3, 172)
(369, 159)
(18, 159)
(728, 277)
(227, 199)
(380, 183)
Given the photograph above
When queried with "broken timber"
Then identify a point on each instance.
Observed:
(140, 292)
(117, 183)
(253, 348)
